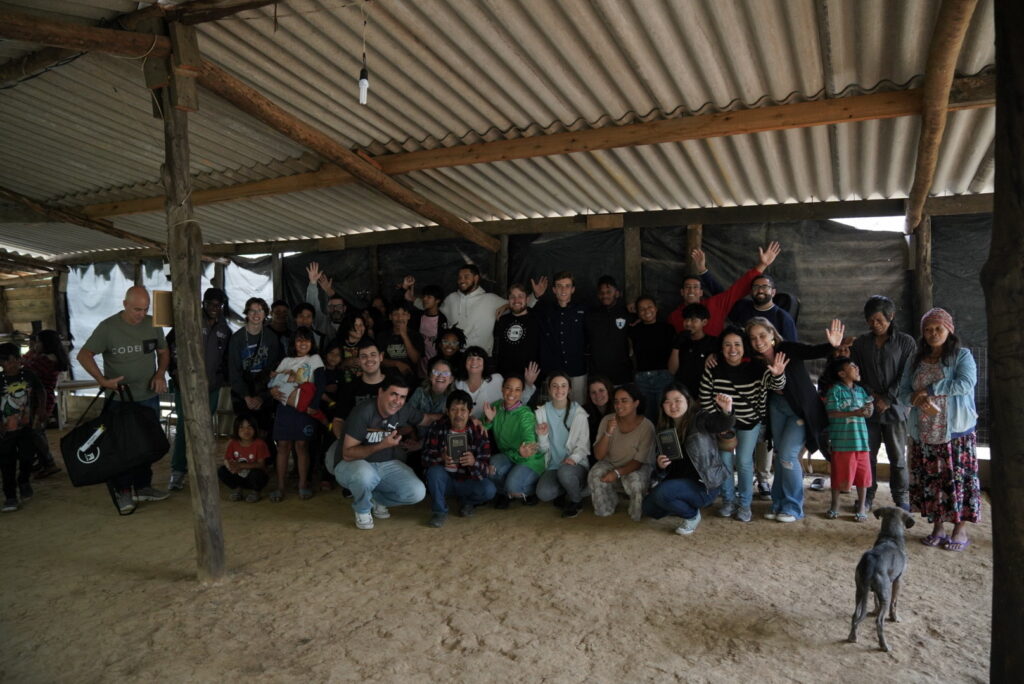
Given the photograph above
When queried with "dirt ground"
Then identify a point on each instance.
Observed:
(506, 596)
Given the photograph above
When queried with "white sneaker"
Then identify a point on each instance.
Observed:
(177, 481)
(689, 525)
(381, 512)
(771, 515)
(785, 518)
(364, 521)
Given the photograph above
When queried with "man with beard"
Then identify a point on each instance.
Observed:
(720, 304)
(326, 323)
(607, 326)
(472, 309)
(516, 335)
(761, 303)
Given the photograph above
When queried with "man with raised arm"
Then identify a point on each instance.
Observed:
(326, 322)
(472, 309)
(719, 305)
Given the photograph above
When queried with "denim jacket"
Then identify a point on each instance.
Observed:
(957, 385)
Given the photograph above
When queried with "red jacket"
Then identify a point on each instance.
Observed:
(719, 306)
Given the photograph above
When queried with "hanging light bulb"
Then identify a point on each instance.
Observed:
(364, 84)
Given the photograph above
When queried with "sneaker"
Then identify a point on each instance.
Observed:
(818, 484)
(364, 521)
(437, 520)
(177, 481)
(10, 505)
(125, 502)
(467, 510)
(770, 515)
(149, 494)
(571, 509)
(764, 490)
(784, 518)
(236, 495)
(743, 514)
(689, 525)
(26, 491)
(529, 500)
(381, 512)
(727, 510)
(252, 497)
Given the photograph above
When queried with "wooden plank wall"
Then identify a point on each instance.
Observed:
(24, 300)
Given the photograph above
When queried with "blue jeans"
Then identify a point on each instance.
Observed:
(683, 497)
(651, 384)
(788, 436)
(440, 484)
(743, 461)
(389, 483)
(510, 478)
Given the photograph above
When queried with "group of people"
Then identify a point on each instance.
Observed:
(539, 397)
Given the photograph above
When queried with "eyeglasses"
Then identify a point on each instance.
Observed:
(761, 287)
(441, 374)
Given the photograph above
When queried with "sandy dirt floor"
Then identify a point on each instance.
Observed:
(506, 596)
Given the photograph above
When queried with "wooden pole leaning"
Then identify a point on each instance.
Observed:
(184, 249)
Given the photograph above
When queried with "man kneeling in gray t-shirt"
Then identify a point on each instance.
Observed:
(371, 465)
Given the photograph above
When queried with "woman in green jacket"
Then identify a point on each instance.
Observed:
(519, 462)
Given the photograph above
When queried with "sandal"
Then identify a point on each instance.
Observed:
(952, 545)
(277, 496)
(305, 494)
(860, 517)
(831, 514)
(935, 540)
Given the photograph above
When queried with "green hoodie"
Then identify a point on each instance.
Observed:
(513, 428)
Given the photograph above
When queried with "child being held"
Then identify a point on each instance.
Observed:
(245, 462)
(848, 404)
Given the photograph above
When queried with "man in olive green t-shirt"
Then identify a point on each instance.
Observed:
(127, 341)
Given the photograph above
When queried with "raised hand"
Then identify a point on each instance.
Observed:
(700, 259)
(539, 286)
(313, 271)
(408, 282)
(531, 373)
(528, 449)
(490, 412)
(767, 256)
(834, 332)
(724, 402)
(778, 365)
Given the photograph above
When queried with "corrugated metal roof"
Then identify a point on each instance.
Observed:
(462, 71)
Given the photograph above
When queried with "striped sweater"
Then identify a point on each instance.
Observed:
(747, 384)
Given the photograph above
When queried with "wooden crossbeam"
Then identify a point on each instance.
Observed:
(61, 34)
(64, 216)
(947, 39)
(201, 11)
(967, 93)
(30, 262)
(255, 104)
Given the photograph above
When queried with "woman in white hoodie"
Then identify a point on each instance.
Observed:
(563, 431)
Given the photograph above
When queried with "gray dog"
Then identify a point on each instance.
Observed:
(879, 571)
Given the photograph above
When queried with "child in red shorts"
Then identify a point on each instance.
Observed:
(848, 404)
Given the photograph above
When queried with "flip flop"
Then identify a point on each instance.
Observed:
(860, 517)
(951, 545)
(935, 540)
(831, 514)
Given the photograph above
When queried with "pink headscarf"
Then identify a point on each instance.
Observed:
(940, 316)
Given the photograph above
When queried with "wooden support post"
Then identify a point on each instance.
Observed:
(694, 240)
(1003, 280)
(501, 277)
(277, 275)
(634, 276)
(923, 285)
(184, 247)
(218, 274)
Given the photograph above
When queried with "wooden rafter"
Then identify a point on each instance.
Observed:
(968, 93)
(62, 34)
(64, 216)
(201, 11)
(30, 262)
(950, 29)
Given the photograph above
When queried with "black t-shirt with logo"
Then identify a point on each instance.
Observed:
(516, 342)
(369, 427)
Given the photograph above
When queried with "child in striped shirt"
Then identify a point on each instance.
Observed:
(848, 406)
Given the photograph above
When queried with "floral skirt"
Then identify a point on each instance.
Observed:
(944, 483)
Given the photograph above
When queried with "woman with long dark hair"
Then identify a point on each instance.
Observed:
(624, 450)
(691, 481)
(938, 383)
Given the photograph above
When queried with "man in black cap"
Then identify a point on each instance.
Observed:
(216, 335)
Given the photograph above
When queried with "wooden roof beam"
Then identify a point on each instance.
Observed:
(65, 216)
(68, 36)
(30, 262)
(950, 28)
(967, 93)
(255, 104)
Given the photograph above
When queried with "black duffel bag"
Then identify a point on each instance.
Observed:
(123, 437)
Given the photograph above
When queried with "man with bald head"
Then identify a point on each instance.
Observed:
(127, 342)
